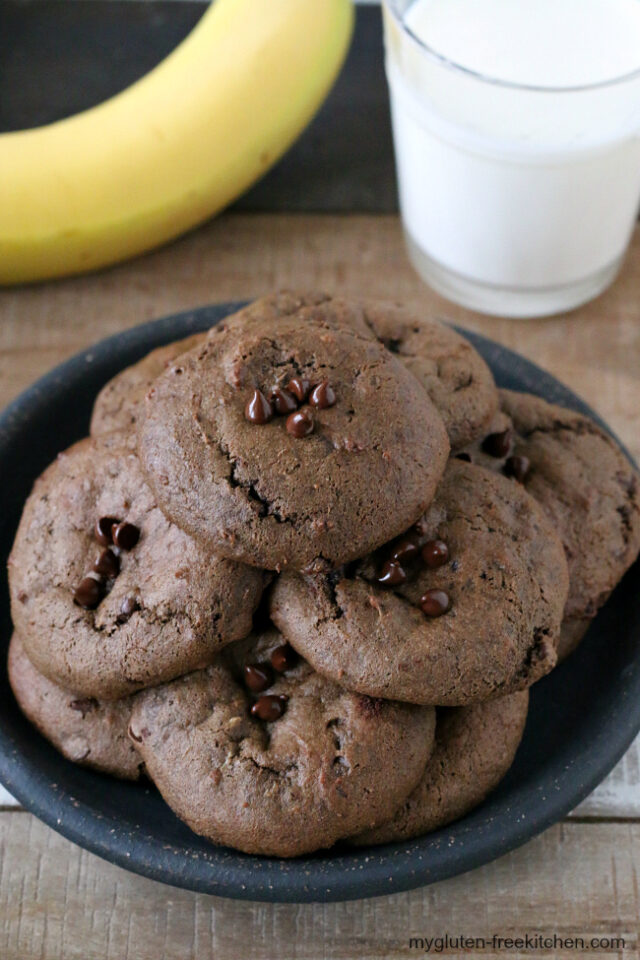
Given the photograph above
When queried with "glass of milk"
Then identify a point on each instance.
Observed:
(517, 136)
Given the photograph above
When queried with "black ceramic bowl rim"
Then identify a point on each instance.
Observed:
(546, 782)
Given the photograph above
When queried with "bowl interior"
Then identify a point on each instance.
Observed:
(581, 720)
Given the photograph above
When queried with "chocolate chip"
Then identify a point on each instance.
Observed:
(89, 593)
(299, 424)
(435, 553)
(517, 467)
(323, 396)
(498, 444)
(125, 535)
(258, 676)
(258, 409)
(299, 387)
(434, 603)
(391, 574)
(283, 401)
(127, 608)
(103, 529)
(283, 658)
(407, 548)
(464, 457)
(269, 708)
(107, 564)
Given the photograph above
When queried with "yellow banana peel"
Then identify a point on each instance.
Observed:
(174, 148)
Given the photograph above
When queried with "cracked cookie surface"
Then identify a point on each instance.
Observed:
(474, 749)
(452, 372)
(118, 404)
(505, 582)
(168, 610)
(259, 494)
(587, 488)
(84, 730)
(333, 762)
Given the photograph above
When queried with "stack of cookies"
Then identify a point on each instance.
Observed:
(304, 571)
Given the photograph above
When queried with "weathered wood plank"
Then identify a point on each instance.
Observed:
(618, 795)
(56, 901)
(6, 800)
(595, 350)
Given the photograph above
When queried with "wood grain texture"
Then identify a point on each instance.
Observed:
(580, 878)
(595, 350)
(61, 902)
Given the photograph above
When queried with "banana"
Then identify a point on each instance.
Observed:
(175, 147)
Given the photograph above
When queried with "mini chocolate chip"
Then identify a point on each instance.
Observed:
(407, 548)
(125, 535)
(434, 603)
(464, 457)
(283, 658)
(498, 444)
(108, 564)
(391, 574)
(127, 608)
(435, 553)
(517, 467)
(299, 387)
(283, 401)
(323, 395)
(299, 424)
(269, 707)
(258, 676)
(258, 410)
(103, 529)
(89, 593)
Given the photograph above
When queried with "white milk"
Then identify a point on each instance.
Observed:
(517, 133)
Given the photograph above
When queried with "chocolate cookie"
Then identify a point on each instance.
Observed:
(260, 753)
(585, 485)
(107, 594)
(83, 729)
(295, 444)
(475, 746)
(452, 372)
(463, 608)
(118, 403)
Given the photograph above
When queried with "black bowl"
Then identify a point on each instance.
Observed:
(582, 717)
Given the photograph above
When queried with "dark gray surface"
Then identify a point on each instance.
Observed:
(58, 57)
(582, 717)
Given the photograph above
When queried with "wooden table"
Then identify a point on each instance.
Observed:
(579, 879)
